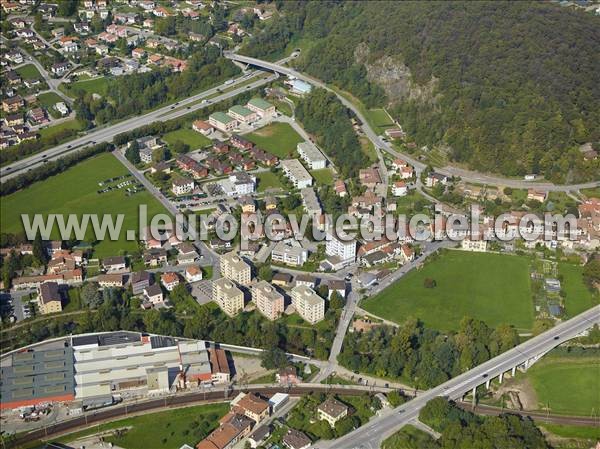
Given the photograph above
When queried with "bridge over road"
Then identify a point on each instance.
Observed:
(370, 435)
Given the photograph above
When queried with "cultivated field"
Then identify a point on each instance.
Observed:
(75, 191)
(279, 139)
(492, 287)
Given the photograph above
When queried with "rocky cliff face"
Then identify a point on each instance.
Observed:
(394, 77)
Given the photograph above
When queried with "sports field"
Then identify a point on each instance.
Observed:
(492, 287)
(75, 192)
(568, 386)
(187, 135)
(279, 139)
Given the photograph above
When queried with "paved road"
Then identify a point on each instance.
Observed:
(467, 175)
(211, 256)
(371, 435)
(106, 134)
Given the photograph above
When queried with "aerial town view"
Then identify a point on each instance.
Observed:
(293, 224)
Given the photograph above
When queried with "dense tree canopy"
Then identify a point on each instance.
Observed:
(512, 87)
(423, 356)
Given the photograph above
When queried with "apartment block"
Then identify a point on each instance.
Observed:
(308, 304)
(233, 267)
(268, 300)
(228, 296)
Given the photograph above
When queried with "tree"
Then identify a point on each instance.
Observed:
(66, 8)
(132, 153)
(68, 28)
(336, 301)
(90, 295)
(274, 358)
(40, 257)
(180, 147)
(265, 273)
(344, 426)
(429, 283)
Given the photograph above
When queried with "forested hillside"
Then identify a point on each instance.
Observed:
(511, 87)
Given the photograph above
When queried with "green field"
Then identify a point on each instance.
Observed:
(379, 120)
(29, 72)
(578, 297)
(187, 135)
(49, 99)
(267, 180)
(591, 433)
(569, 386)
(75, 191)
(492, 287)
(169, 429)
(53, 130)
(92, 85)
(279, 139)
(323, 176)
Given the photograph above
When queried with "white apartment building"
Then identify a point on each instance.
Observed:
(311, 155)
(268, 300)
(290, 253)
(296, 173)
(308, 304)
(182, 186)
(344, 250)
(233, 267)
(229, 298)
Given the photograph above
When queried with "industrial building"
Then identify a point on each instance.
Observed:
(96, 369)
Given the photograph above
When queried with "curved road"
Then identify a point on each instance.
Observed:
(467, 175)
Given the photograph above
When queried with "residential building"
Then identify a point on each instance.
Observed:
(139, 281)
(111, 280)
(229, 298)
(332, 411)
(182, 186)
(233, 428)
(289, 252)
(116, 263)
(222, 121)
(475, 245)
(202, 127)
(536, 195)
(233, 267)
(259, 435)
(307, 280)
(308, 304)
(219, 366)
(60, 68)
(294, 439)
(250, 405)
(155, 257)
(434, 179)
(268, 300)
(344, 250)
(311, 202)
(262, 108)
(242, 114)
(49, 300)
(369, 177)
(340, 188)
(12, 104)
(296, 173)
(311, 155)
(287, 376)
(282, 279)
(193, 274)
(399, 188)
(154, 294)
(170, 280)
(145, 155)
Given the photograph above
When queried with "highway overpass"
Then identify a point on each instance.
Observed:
(467, 175)
(370, 435)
